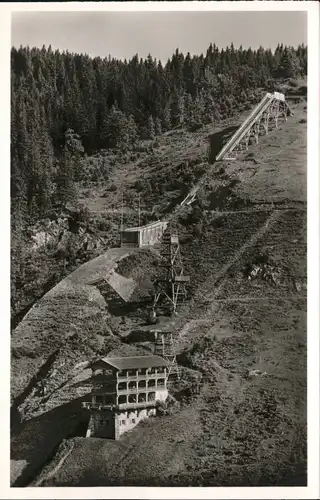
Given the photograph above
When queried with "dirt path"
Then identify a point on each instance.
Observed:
(57, 467)
(209, 289)
(255, 299)
(254, 210)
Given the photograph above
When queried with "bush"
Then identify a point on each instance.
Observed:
(139, 185)
(112, 188)
(195, 126)
(303, 90)
(293, 83)
(104, 225)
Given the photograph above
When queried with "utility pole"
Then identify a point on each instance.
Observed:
(121, 220)
(139, 212)
(122, 211)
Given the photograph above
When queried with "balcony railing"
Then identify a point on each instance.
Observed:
(140, 389)
(133, 390)
(88, 405)
(141, 404)
(141, 376)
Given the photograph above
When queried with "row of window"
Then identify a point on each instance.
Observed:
(129, 373)
(123, 422)
(134, 398)
(102, 421)
(140, 371)
(122, 386)
(139, 397)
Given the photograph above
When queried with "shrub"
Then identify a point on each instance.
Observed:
(293, 83)
(104, 225)
(303, 89)
(112, 188)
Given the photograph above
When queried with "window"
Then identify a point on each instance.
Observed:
(133, 420)
(123, 422)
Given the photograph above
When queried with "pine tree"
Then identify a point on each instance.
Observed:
(66, 191)
(189, 109)
(199, 107)
(74, 150)
(132, 131)
(177, 110)
(208, 106)
(158, 126)
(288, 65)
(116, 128)
(166, 120)
(151, 128)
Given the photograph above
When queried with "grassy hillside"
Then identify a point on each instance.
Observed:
(246, 336)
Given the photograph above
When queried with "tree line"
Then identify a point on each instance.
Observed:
(67, 108)
(65, 105)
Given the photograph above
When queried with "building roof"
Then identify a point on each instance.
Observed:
(126, 363)
(147, 226)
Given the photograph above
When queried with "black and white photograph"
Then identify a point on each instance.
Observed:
(159, 267)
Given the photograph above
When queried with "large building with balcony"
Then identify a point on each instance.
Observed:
(125, 391)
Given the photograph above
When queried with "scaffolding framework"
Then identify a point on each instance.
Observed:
(164, 347)
(171, 286)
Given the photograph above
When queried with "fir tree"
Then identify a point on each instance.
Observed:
(151, 128)
(177, 110)
(166, 120)
(158, 126)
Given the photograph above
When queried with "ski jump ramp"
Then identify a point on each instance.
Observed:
(267, 112)
(265, 115)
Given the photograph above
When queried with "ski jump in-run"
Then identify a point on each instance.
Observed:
(264, 116)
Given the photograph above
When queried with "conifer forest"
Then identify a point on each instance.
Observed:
(70, 111)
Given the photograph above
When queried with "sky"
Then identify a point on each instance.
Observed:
(123, 34)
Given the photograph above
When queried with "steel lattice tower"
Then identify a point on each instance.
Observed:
(164, 347)
(172, 284)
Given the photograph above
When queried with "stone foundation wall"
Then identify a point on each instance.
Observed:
(101, 424)
(127, 420)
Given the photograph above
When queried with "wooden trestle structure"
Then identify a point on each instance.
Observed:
(164, 347)
(171, 285)
(263, 117)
